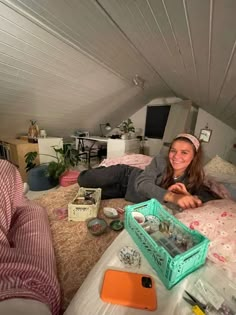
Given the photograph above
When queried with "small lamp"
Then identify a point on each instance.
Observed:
(107, 127)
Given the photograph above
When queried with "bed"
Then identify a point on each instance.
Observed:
(77, 252)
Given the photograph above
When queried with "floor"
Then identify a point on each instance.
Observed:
(81, 166)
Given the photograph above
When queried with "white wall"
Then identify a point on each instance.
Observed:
(178, 121)
(222, 138)
(139, 118)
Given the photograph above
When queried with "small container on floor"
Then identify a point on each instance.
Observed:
(117, 225)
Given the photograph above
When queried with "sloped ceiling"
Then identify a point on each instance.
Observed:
(70, 64)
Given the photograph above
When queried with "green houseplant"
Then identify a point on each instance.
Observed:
(64, 159)
(127, 126)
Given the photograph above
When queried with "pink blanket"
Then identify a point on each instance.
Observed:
(137, 160)
(216, 219)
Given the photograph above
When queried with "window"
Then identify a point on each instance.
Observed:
(156, 119)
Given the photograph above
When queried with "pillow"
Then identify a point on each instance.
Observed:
(221, 170)
(216, 219)
(231, 187)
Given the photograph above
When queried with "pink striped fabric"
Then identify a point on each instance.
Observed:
(27, 261)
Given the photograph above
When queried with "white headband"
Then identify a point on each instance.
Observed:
(193, 139)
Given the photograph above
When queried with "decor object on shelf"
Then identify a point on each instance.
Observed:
(107, 127)
(33, 132)
(43, 133)
(205, 135)
(64, 159)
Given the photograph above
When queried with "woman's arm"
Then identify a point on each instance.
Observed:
(178, 193)
(184, 201)
(148, 182)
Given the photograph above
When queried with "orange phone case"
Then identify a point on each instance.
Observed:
(125, 288)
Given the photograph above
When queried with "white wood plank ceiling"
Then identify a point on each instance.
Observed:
(70, 64)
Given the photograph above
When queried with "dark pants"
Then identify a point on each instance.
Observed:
(112, 179)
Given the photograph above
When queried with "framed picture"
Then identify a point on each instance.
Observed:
(205, 135)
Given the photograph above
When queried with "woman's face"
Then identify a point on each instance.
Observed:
(181, 155)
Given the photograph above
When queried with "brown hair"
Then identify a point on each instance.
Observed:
(194, 172)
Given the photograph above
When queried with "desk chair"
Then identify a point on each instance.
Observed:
(89, 151)
(97, 152)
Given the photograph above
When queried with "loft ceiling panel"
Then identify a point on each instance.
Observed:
(79, 57)
(197, 18)
(160, 31)
(147, 26)
(44, 78)
(222, 89)
(189, 43)
(84, 24)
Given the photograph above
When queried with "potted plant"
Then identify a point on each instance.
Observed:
(64, 159)
(126, 127)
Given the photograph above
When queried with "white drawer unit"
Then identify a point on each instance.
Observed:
(120, 147)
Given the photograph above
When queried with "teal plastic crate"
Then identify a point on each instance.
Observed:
(169, 269)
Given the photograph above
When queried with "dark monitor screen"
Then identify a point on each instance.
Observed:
(156, 119)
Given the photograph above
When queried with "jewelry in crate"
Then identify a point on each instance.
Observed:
(168, 235)
(87, 199)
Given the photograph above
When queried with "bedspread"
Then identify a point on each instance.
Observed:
(216, 219)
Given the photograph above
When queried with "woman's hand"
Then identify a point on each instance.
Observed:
(182, 200)
(179, 188)
(187, 201)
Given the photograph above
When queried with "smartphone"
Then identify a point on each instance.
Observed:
(129, 289)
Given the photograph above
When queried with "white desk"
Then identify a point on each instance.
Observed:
(120, 147)
(115, 147)
(94, 139)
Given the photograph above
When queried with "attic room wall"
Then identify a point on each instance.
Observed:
(222, 138)
(175, 125)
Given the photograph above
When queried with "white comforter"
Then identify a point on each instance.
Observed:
(87, 300)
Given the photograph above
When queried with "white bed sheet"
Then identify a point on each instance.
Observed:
(87, 300)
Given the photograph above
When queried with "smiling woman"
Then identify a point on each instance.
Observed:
(177, 179)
